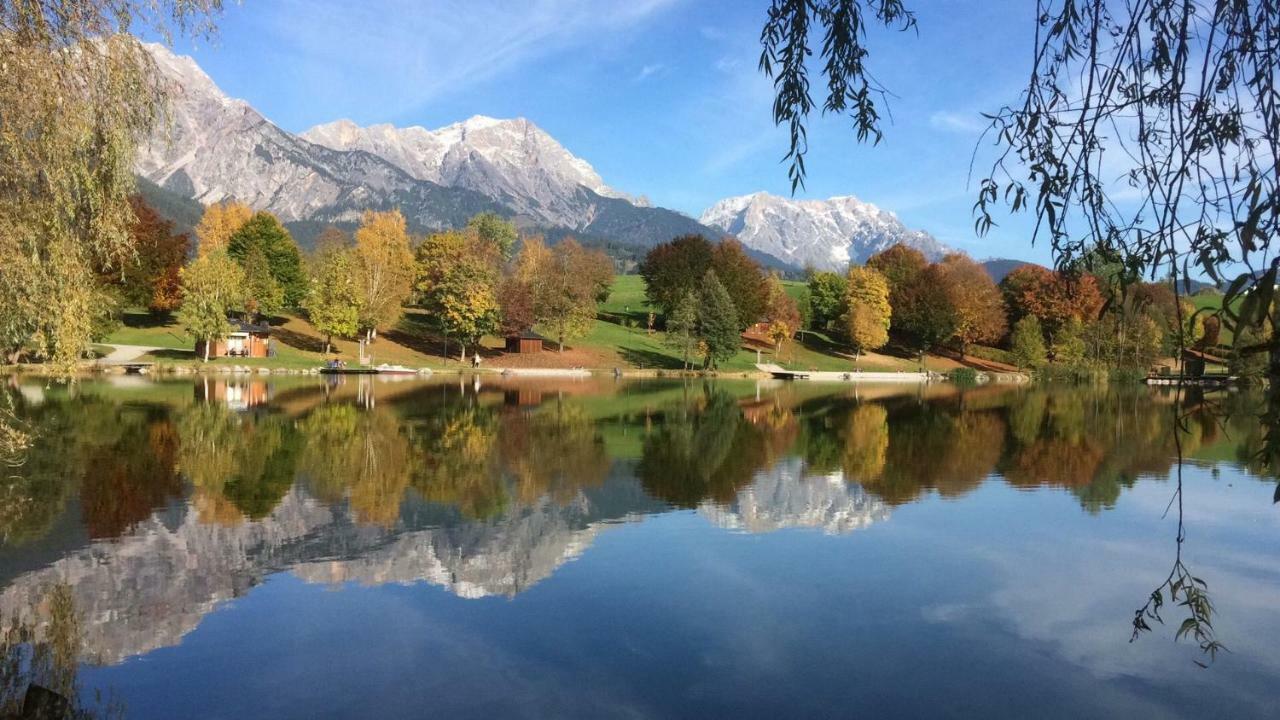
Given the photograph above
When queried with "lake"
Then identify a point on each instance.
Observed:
(351, 547)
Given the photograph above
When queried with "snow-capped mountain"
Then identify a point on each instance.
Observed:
(825, 234)
(511, 161)
(216, 147)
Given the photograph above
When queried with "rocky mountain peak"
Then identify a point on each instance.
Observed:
(825, 234)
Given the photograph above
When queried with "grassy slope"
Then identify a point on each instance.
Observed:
(610, 343)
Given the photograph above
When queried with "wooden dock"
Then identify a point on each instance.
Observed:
(780, 373)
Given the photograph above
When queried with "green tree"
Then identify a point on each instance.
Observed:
(496, 230)
(827, 291)
(868, 316)
(674, 268)
(717, 322)
(262, 294)
(682, 328)
(265, 232)
(1069, 347)
(212, 287)
(1027, 343)
(333, 304)
(458, 276)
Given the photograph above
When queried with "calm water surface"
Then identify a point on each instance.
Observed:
(278, 549)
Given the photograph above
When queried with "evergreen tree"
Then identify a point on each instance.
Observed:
(717, 321)
(264, 231)
(1027, 343)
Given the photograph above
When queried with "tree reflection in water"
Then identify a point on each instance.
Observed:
(753, 462)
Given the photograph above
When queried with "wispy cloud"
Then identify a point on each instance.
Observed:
(967, 123)
(728, 64)
(415, 52)
(650, 70)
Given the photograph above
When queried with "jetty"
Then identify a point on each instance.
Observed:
(854, 376)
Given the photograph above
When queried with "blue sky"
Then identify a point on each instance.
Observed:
(662, 96)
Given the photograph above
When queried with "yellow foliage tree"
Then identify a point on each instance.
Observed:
(219, 223)
(867, 321)
(781, 313)
(385, 270)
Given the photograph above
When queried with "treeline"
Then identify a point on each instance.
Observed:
(1089, 316)
(708, 294)
(472, 282)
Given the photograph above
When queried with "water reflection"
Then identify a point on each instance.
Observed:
(140, 509)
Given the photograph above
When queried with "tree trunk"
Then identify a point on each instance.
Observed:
(328, 343)
(462, 356)
(207, 343)
(561, 342)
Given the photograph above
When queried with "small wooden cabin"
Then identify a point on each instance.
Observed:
(525, 343)
(245, 340)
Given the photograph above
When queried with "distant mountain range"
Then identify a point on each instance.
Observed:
(824, 234)
(219, 148)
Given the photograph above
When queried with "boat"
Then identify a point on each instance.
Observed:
(348, 371)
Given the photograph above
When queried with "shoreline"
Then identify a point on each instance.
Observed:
(852, 377)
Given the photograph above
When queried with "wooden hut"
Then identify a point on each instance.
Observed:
(245, 340)
(525, 342)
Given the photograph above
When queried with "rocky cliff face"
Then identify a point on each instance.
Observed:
(216, 147)
(825, 234)
(513, 162)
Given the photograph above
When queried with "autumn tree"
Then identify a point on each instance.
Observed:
(682, 328)
(262, 294)
(743, 279)
(151, 278)
(562, 283)
(264, 231)
(977, 302)
(212, 287)
(672, 269)
(925, 316)
(717, 322)
(220, 221)
(1027, 343)
(1054, 297)
(867, 319)
(827, 299)
(496, 230)
(457, 283)
(333, 301)
(901, 265)
(79, 94)
(384, 268)
(781, 314)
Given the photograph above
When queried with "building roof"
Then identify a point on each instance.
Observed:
(245, 327)
(527, 335)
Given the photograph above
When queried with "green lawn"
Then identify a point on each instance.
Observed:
(141, 328)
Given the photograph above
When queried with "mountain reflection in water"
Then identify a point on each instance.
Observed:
(143, 506)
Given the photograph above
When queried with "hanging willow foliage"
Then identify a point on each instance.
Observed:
(78, 94)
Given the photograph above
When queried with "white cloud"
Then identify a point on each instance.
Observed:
(649, 70)
(968, 123)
